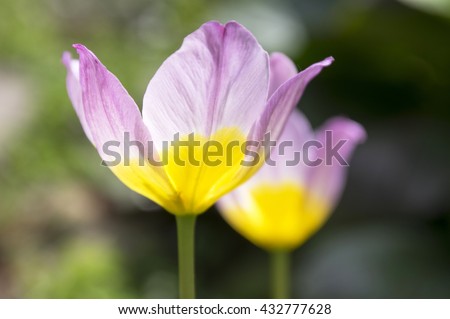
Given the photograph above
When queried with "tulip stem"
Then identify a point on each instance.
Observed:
(186, 234)
(280, 273)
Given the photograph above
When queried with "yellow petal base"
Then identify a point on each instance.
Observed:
(279, 216)
(196, 174)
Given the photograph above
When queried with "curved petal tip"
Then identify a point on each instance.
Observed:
(81, 49)
(328, 61)
(78, 46)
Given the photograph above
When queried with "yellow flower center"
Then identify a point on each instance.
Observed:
(199, 171)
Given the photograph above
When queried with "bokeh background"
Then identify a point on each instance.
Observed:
(69, 229)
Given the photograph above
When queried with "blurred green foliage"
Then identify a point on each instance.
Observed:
(82, 269)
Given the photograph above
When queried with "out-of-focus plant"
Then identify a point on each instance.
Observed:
(84, 269)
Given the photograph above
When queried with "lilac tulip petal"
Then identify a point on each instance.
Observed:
(281, 69)
(108, 113)
(109, 109)
(283, 100)
(218, 78)
(327, 180)
(285, 161)
(74, 90)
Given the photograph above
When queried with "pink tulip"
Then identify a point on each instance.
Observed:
(220, 85)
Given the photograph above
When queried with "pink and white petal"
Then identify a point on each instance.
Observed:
(109, 110)
(113, 118)
(281, 69)
(285, 163)
(218, 78)
(74, 90)
(327, 180)
(283, 100)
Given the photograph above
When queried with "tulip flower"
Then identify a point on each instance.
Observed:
(285, 203)
(215, 88)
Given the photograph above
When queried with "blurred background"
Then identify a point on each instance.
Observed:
(69, 229)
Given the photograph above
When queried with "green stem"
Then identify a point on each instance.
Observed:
(185, 232)
(280, 273)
